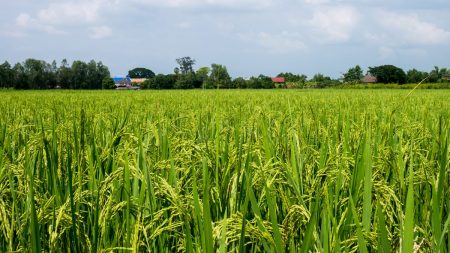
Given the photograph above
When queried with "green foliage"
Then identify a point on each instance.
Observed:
(161, 81)
(186, 65)
(37, 74)
(438, 74)
(239, 83)
(6, 75)
(108, 83)
(388, 74)
(186, 81)
(321, 81)
(141, 73)
(395, 86)
(353, 75)
(219, 77)
(260, 82)
(229, 170)
(295, 78)
(415, 76)
(202, 75)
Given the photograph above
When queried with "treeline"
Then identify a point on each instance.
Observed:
(38, 74)
(216, 77)
(390, 74)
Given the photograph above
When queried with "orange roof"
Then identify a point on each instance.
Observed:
(138, 80)
(278, 79)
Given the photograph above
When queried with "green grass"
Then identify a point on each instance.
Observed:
(229, 171)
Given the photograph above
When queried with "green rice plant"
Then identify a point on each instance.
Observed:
(228, 171)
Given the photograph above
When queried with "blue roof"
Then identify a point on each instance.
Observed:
(121, 79)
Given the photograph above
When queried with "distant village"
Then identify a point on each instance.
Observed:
(127, 83)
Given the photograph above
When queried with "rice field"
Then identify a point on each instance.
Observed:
(225, 171)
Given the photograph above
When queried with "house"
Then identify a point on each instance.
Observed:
(369, 79)
(279, 80)
(124, 83)
(138, 81)
(447, 78)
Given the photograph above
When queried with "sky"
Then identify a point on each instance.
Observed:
(249, 37)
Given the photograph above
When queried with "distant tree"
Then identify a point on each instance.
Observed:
(202, 75)
(35, 70)
(186, 64)
(415, 76)
(93, 80)
(20, 77)
(239, 83)
(289, 77)
(79, 75)
(320, 78)
(186, 81)
(219, 77)
(321, 81)
(141, 73)
(437, 74)
(108, 83)
(161, 81)
(64, 75)
(260, 82)
(388, 74)
(353, 75)
(102, 72)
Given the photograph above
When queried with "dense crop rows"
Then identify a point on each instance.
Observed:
(204, 171)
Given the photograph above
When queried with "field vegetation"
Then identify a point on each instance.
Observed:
(225, 171)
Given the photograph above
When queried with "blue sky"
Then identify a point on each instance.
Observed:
(250, 37)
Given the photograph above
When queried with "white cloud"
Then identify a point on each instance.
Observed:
(195, 3)
(23, 20)
(409, 29)
(26, 22)
(58, 15)
(334, 24)
(284, 42)
(316, 1)
(100, 32)
(70, 12)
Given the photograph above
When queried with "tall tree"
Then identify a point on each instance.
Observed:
(202, 75)
(353, 75)
(415, 76)
(437, 74)
(219, 77)
(141, 73)
(37, 74)
(79, 78)
(186, 81)
(239, 83)
(388, 74)
(186, 64)
(108, 83)
(65, 75)
(20, 77)
(6, 75)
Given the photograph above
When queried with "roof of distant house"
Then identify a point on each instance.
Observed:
(369, 79)
(118, 80)
(138, 80)
(278, 79)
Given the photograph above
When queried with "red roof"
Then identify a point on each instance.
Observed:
(278, 79)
